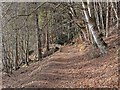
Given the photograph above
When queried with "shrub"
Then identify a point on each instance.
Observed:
(61, 39)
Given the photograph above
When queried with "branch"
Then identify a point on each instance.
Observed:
(29, 13)
(7, 9)
(24, 14)
(51, 16)
(34, 10)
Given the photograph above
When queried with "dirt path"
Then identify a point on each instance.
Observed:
(69, 69)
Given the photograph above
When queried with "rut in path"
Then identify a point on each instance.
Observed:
(68, 68)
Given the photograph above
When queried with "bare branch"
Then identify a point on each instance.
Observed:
(7, 9)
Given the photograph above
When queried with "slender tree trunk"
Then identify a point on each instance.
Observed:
(47, 33)
(47, 40)
(118, 31)
(89, 8)
(27, 39)
(101, 18)
(39, 37)
(89, 35)
(4, 60)
(26, 44)
(116, 15)
(27, 47)
(81, 36)
(9, 56)
(107, 20)
(96, 16)
(16, 57)
(80, 33)
(111, 16)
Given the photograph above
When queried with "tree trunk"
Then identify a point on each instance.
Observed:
(116, 15)
(94, 30)
(16, 57)
(118, 31)
(27, 40)
(27, 48)
(47, 33)
(101, 18)
(4, 59)
(88, 6)
(96, 16)
(107, 16)
(47, 40)
(39, 37)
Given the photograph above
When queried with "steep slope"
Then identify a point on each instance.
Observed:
(70, 68)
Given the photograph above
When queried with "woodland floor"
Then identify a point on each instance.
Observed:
(70, 68)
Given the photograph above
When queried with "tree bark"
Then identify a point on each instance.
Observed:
(4, 59)
(27, 48)
(94, 30)
(96, 16)
(116, 15)
(39, 37)
(16, 57)
(107, 23)
(101, 17)
(47, 33)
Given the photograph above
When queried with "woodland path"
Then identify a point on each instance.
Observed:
(70, 69)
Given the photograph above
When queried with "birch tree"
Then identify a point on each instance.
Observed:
(107, 22)
(94, 30)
